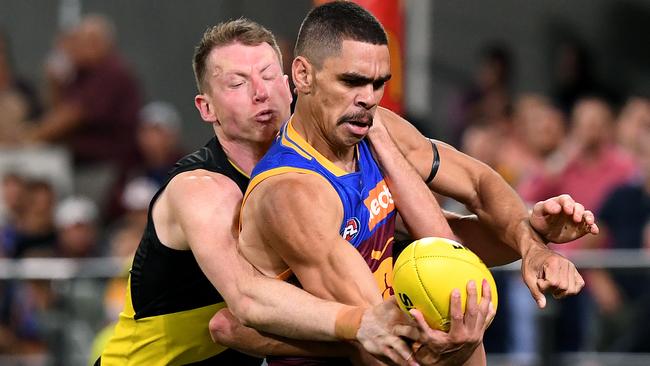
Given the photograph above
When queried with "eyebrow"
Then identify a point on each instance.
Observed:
(245, 73)
(359, 79)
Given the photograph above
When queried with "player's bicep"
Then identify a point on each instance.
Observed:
(459, 174)
(302, 227)
(206, 208)
(455, 174)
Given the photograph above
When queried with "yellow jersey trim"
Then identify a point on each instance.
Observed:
(293, 136)
(267, 174)
(238, 169)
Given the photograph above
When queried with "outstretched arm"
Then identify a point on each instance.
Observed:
(486, 194)
(558, 220)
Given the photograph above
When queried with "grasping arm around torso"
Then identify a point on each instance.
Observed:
(199, 211)
(292, 221)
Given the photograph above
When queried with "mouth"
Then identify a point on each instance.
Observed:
(358, 125)
(358, 128)
(265, 116)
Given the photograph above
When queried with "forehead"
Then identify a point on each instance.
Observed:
(360, 57)
(239, 57)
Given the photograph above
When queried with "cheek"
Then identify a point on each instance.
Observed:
(231, 106)
(280, 92)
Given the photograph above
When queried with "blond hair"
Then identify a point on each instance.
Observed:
(242, 30)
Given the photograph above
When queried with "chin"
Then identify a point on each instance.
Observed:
(353, 140)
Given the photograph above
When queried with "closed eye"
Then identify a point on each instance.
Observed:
(356, 80)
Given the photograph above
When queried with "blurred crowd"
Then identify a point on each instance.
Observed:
(584, 139)
(580, 138)
(118, 149)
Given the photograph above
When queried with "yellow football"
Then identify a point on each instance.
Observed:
(427, 271)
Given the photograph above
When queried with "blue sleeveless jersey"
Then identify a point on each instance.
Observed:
(369, 212)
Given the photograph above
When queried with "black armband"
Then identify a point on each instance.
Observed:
(435, 164)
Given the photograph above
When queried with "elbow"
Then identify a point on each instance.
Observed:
(247, 311)
(222, 327)
(485, 179)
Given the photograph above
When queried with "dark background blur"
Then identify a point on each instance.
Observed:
(158, 37)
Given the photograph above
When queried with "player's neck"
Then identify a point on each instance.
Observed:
(243, 154)
(304, 124)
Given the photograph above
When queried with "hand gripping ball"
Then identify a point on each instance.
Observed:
(427, 271)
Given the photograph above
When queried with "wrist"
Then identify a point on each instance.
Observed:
(541, 236)
(348, 321)
(529, 239)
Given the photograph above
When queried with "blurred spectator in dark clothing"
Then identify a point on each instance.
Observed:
(96, 111)
(158, 139)
(12, 188)
(18, 100)
(31, 230)
(624, 218)
(588, 166)
(488, 98)
(575, 77)
(127, 231)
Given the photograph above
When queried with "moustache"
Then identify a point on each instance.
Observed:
(361, 117)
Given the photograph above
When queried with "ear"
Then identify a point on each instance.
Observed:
(204, 105)
(301, 72)
(286, 83)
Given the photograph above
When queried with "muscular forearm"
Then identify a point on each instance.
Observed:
(226, 330)
(417, 206)
(500, 208)
(270, 305)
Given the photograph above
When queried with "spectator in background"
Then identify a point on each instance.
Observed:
(158, 144)
(634, 115)
(123, 242)
(487, 100)
(18, 100)
(624, 217)
(96, 108)
(127, 233)
(28, 232)
(537, 131)
(158, 141)
(30, 229)
(587, 167)
(12, 189)
(589, 164)
(76, 222)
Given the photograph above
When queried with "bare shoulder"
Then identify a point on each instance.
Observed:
(297, 190)
(199, 185)
(298, 196)
(195, 200)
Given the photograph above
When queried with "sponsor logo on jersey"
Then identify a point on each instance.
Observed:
(351, 229)
(380, 204)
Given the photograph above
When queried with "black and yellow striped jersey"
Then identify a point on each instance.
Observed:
(169, 301)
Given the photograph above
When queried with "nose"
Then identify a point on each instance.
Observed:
(367, 97)
(260, 91)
